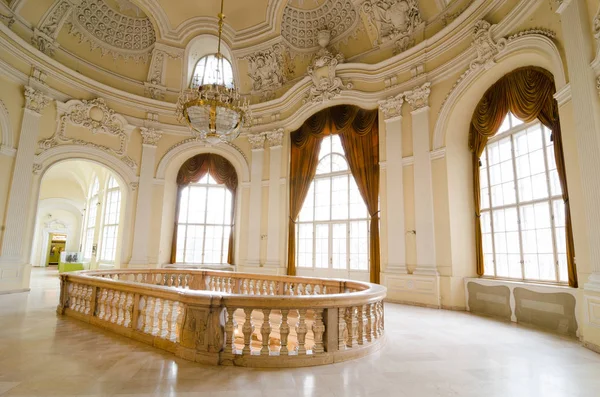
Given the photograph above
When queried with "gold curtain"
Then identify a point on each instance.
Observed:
(359, 135)
(529, 94)
(195, 169)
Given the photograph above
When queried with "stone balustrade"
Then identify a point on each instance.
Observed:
(229, 318)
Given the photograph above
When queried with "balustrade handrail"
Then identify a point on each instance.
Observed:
(369, 293)
(231, 318)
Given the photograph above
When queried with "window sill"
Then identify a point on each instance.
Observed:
(530, 285)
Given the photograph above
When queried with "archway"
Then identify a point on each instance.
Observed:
(82, 201)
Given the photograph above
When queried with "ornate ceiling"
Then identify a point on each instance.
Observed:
(272, 42)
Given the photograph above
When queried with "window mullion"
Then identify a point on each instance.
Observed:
(550, 204)
(518, 204)
(491, 211)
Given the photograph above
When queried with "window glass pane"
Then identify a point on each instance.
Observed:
(515, 121)
(338, 245)
(505, 125)
(181, 240)
(183, 205)
(197, 205)
(228, 207)
(305, 245)
(336, 145)
(358, 208)
(359, 245)
(338, 163)
(210, 70)
(112, 183)
(109, 243)
(339, 197)
(89, 242)
(215, 213)
(95, 187)
(322, 199)
(322, 246)
(306, 214)
(325, 147)
(213, 242)
(324, 166)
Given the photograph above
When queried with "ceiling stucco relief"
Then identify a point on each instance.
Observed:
(113, 32)
(393, 20)
(98, 118)
(322, 71)
(269, 70)
(44, 36)
(300, 27)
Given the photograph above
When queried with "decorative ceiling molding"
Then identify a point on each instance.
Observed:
(300, 28)
(98, 118)
(44, 36)
(114, 33)
(269, 70)
(394, 20)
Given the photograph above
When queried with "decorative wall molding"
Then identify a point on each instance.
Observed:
(540, 40)
(274, 138)
(394, 20)
(322, 71)
(150, 136)
(269, 70)
(155, 86)
(257, 141)
(35, 100)
(392, 107)
(6, 145)
(98, 118)
(300, 28)
(418, 98)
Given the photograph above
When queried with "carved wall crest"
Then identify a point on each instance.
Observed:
(485, 45)
(98, 118)
(393, 19)
(300, 27)
(322, 70)
(269, 69)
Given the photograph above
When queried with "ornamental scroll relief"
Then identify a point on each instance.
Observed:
(394, 20)
(269, 70)
(98, 118)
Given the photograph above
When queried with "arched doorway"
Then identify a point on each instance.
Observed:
(81, 203)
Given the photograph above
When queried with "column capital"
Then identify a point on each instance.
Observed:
(274, 138)
(257, 141)
(392, 107)
(418, 97)
(35, 100)
(150, 136)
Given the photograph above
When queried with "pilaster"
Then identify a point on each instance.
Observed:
(274, 141)
(393, 212)
(15, 269)
(143, 212)
(257, 142)
(418, 99)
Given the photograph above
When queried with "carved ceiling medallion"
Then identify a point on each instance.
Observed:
(300, 28)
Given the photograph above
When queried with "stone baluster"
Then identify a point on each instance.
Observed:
(165, 323)
(370, 322)
(342, 328)
(247, 329)
(230, 327)
(301, 330)
(121, 308)
(284, 331)
(149, 321)
(174, 321)
(265, 331)
(351, 325)
(318, 329)
(360, 329)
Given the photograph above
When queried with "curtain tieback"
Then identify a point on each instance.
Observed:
(291, 220)
(477, 215)
(375, 215)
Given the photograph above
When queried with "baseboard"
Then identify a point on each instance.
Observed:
(410, 303)
(16, 291)
(592, 346)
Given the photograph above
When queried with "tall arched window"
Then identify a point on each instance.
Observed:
(523, 224)
(212, 70)
(204, 223)
(522, 211)
(90, 222)
(110, 226)
(333, 226)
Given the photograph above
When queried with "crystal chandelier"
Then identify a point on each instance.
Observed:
(214, 111)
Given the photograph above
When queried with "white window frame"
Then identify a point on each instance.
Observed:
(331, 222)
(116, 189)
(230, 225)
(92, 195)
(518, 204)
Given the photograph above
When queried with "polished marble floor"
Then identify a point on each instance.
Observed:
(427, 353)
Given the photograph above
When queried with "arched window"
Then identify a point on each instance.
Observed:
(110, 227)
(205, 211)
(333, 226)
(523, 229)
(522, 209)
(213, 70)
(90, 222)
